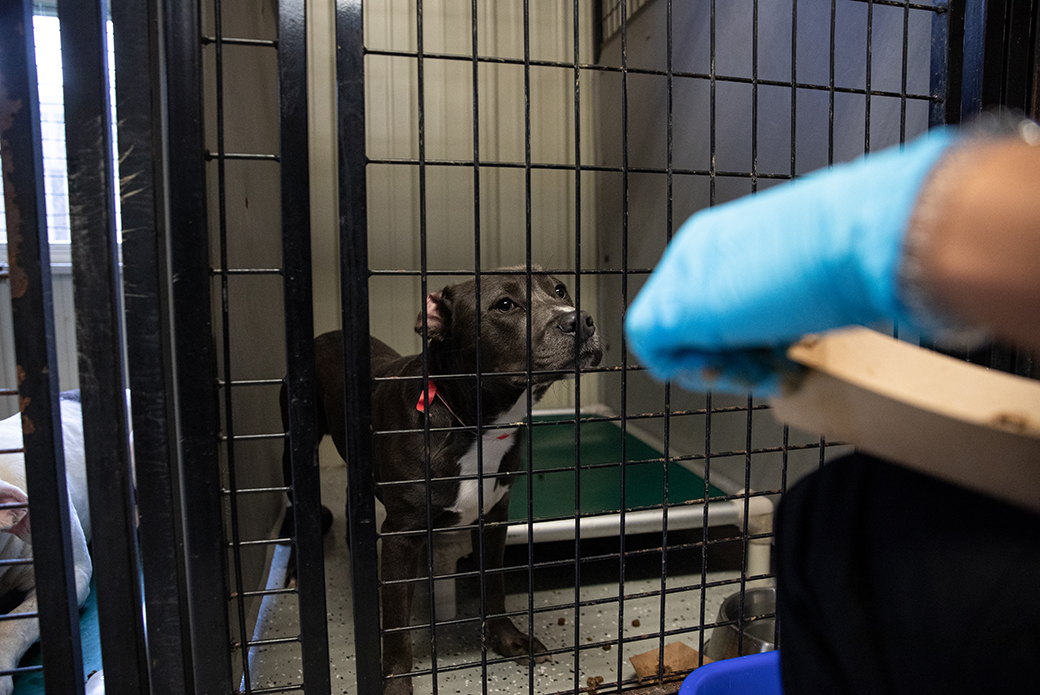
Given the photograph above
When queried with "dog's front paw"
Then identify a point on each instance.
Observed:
(6, 685)
(509, 641)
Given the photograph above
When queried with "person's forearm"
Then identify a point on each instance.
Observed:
(980, 255)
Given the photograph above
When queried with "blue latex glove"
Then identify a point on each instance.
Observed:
(741, 281)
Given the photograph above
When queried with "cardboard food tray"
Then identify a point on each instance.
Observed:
(972, 426)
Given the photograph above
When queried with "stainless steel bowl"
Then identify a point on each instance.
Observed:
(758, 633)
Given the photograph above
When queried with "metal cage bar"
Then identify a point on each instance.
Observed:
(625, 202)
(667, 423)
(299, 332)
(194, 351)
(870, 69)
(353, 231)
(227, 436)
(576, 19)
(420, 80)
(946, 63)
(32, 314)
(479, 550)
(140, 109)
(99, 335)
(529, 361)
(712, 120)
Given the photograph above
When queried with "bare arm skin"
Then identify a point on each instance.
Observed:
(980, 257)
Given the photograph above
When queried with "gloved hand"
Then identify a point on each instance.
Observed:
(741, 281)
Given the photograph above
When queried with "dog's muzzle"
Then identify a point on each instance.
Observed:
(583, 328)
(573, 321)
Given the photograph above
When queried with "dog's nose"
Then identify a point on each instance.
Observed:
(570, 322)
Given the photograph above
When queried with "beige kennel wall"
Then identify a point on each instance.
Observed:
(64, 331)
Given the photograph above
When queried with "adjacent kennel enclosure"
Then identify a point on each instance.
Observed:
(236, 177)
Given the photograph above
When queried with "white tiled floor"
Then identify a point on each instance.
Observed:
(281, 665)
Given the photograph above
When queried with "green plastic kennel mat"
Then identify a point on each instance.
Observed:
(599, 476)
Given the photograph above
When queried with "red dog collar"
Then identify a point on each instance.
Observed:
(429, 395)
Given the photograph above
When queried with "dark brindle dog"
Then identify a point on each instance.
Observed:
(559, 335)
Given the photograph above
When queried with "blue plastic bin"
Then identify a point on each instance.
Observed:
(757, 674)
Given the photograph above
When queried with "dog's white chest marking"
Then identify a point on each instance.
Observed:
(494, 445)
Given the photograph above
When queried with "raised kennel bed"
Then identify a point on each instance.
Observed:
(599, 476)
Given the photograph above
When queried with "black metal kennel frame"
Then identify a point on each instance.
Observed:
(156, 317)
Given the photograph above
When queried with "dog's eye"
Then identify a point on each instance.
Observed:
(561, 291)
(504, 305)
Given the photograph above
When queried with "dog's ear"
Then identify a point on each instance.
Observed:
(15, 521)
(438, 315)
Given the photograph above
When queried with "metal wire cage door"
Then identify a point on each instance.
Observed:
(489, 139)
